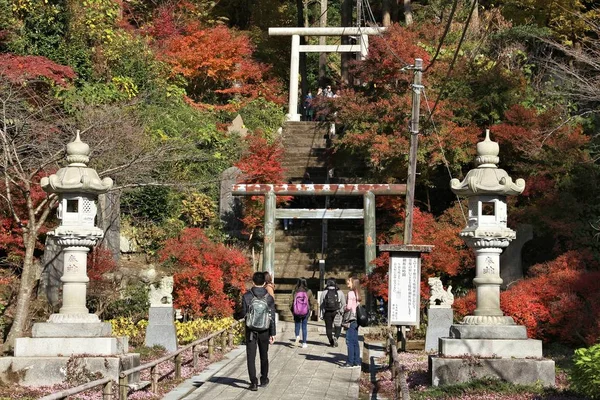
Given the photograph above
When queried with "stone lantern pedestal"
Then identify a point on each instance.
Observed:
(44, 358)
(489, 343)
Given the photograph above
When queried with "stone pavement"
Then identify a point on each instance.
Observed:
(294, 372)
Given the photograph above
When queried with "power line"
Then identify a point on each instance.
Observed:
(444, 159)
(456, 52)
(446, 30)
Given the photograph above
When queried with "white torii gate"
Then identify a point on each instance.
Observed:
(362, 48)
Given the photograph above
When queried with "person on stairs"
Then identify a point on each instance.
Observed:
(302, 304)
(332, 309)
(258, 308)
(350, 323)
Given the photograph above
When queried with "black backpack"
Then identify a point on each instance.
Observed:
(331, 301)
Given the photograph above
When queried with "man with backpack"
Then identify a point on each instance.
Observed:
(258, 308)
(302, 305)
(332, 307)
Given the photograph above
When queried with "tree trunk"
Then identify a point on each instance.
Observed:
(346, 22)
(302, 61)
(28, 276)
(323, 41)
(408, 17)
(475, 17)
(386, 17)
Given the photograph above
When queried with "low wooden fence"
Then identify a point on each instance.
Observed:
(224, 337)
(398, 371)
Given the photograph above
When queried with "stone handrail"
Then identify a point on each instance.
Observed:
(226, 336)
(398, 371)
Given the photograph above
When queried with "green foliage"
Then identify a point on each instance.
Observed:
(133, 304)
(263, 115)
(148, 203)
(128, 55)
(478, 386)
(585, 377)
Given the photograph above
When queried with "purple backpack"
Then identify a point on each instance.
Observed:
(301, 304)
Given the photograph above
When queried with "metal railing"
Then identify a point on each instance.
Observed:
(398, 371)
(224, 337)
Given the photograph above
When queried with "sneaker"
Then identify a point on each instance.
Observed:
(304, 345)
(335, 342)
(346, 366)
(264, 383)
(297, 341)
(253, 387)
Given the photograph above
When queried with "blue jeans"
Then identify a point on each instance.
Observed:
(301, 321)
(352, 344)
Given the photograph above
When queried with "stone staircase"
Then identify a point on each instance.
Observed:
(298, 249)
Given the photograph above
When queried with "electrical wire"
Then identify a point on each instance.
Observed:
(456, 52)
(444, 159)
(446, 30)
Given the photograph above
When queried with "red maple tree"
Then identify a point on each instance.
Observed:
(209, 277)
(20, 69)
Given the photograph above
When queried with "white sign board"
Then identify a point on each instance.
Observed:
(404, 300)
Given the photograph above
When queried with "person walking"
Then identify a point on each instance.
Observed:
(332, 309)
(269, 285)
(302, 304)
(258, 308)
(349, 322)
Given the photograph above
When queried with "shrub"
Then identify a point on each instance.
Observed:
(585, 376)
(209, 276)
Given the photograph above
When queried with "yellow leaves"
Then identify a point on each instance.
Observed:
(126, 85)
(197, 209)
(187, 332)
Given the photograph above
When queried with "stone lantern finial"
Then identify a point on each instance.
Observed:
(78, 152)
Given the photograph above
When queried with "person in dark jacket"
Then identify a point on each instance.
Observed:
(262, 339)
(333, 317)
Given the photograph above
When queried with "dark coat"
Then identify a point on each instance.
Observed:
(259, 292)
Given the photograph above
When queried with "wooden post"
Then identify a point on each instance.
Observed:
(224, 342)
(178, 366)
(412, 156)
(230, 337)
(154, 379)
(107, 391)
(269, 240)
(196, 354)
(123, 388)
(211, 347)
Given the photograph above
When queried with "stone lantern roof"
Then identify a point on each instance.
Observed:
(76, 177)
(487, 178)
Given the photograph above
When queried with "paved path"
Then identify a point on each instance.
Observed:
(295, 373)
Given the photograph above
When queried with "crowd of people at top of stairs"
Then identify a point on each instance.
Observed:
(337, 309)
(307, 105)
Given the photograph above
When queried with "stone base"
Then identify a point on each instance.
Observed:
(497, 348)
(161, 328)
(459, 331)
(439, 321)
(65, 347)
(46, 371)
(69, 330)
(447, 371)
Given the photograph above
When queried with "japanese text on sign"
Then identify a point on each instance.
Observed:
(404, 289)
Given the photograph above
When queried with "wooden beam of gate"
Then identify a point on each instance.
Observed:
(319, 213)
(319, 189)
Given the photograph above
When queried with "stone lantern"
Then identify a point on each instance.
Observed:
(44, 358)
(486, 233)
(77, 187)
(488, 343)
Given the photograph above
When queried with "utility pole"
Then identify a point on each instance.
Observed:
(412, 155)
